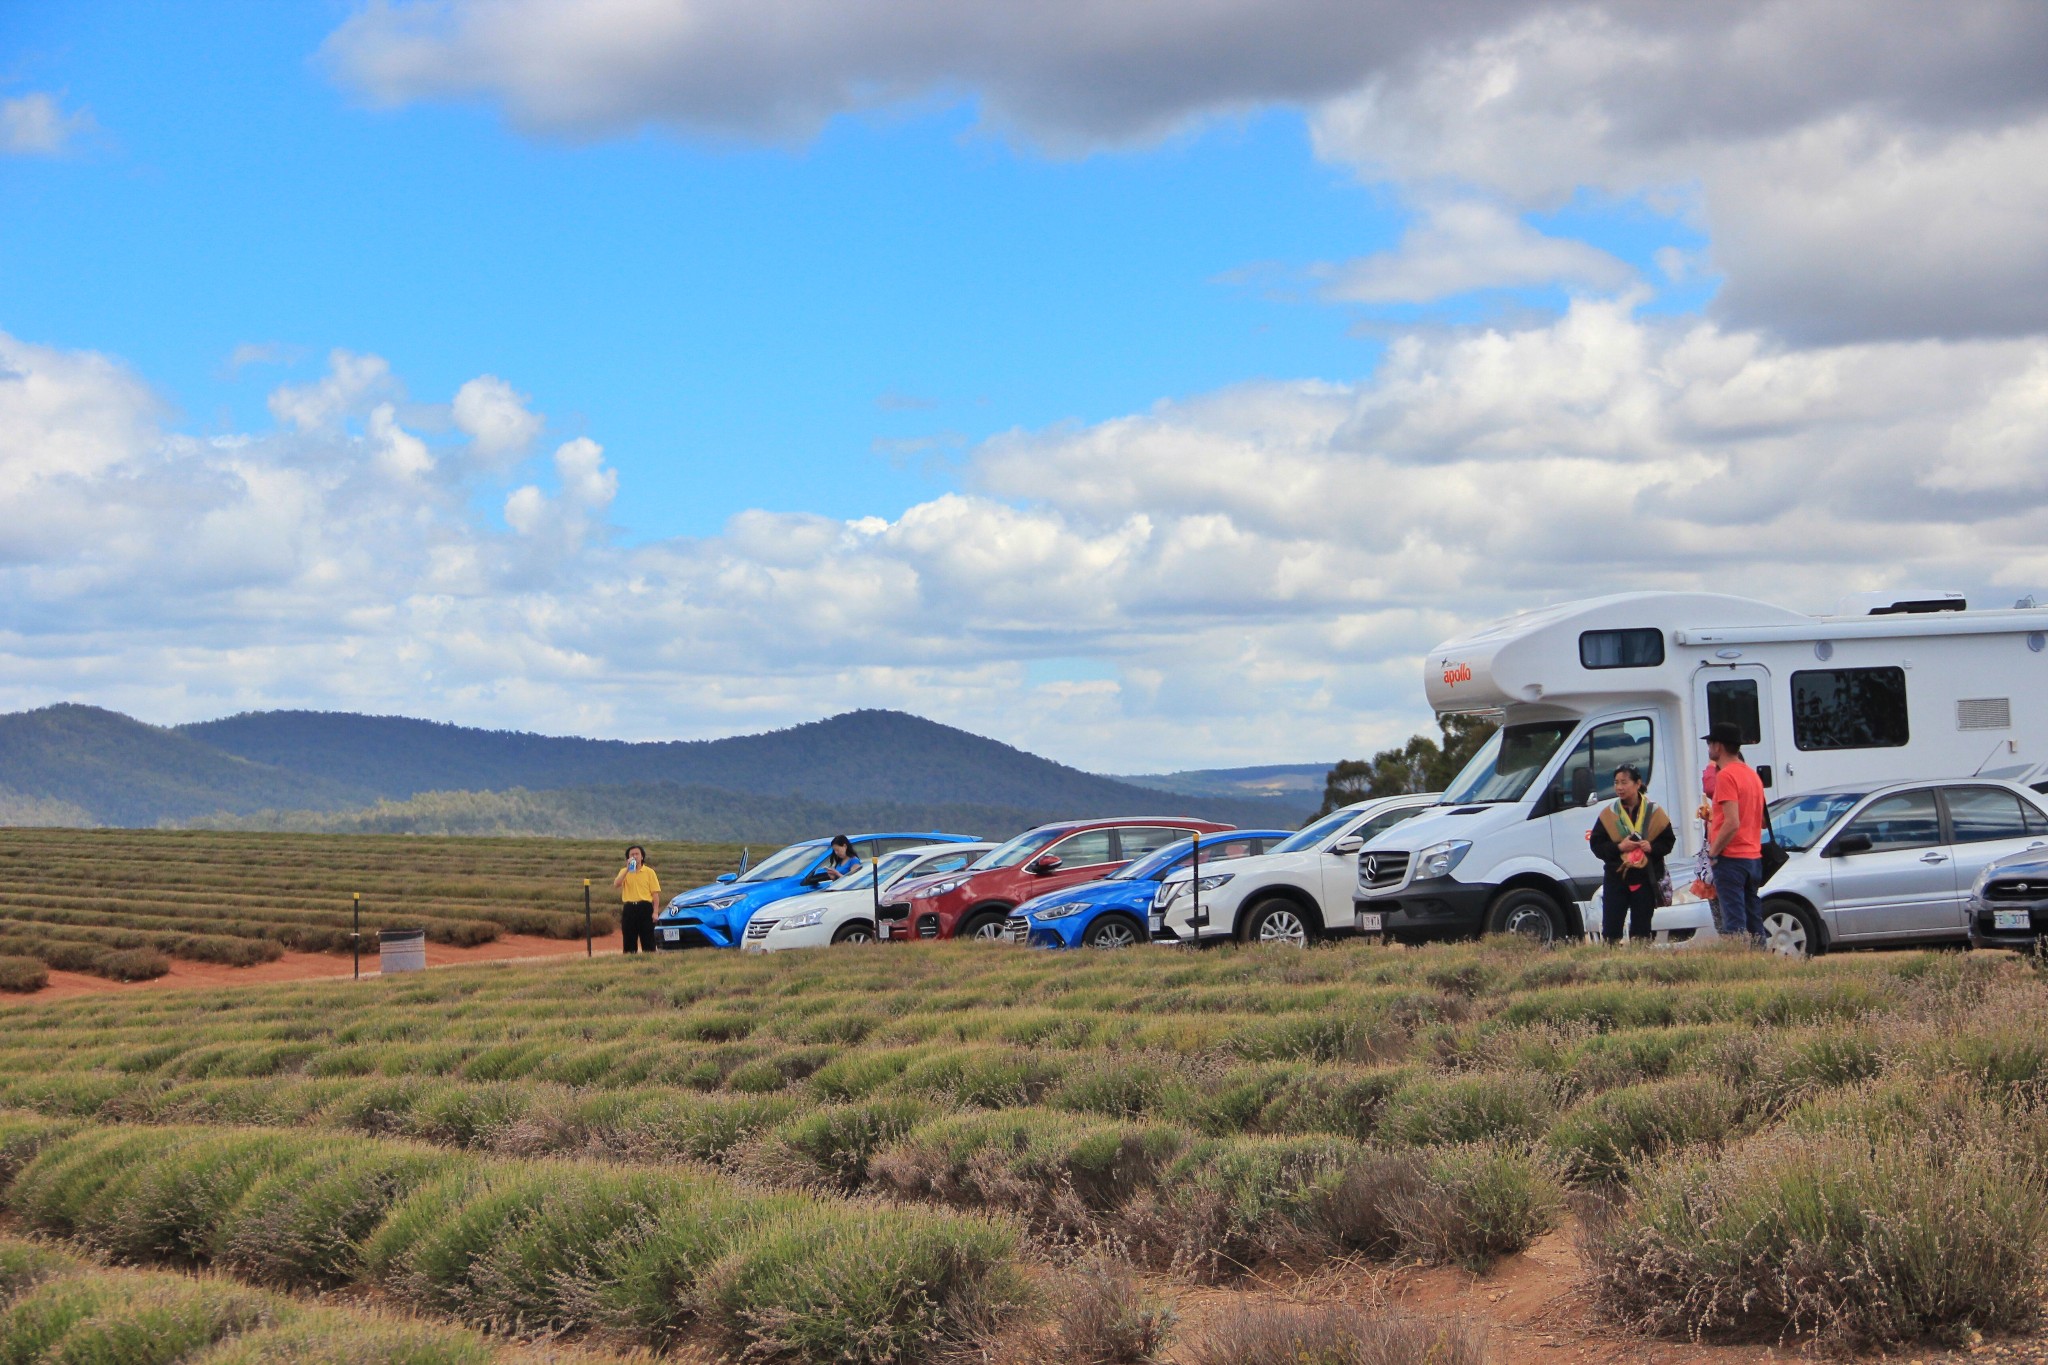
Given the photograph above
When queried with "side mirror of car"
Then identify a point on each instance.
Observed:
(728, 876)
(1582, 786)
(1049, 863)
(1348, 845)
(1849, 843)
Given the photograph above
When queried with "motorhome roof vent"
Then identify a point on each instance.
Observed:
(1984, 713)
(1899, 603)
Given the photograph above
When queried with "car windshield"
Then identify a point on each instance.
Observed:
(892, 868)
(1800, 822)
(1150, 867)
(1018, 849)
(1322, 829)
(1508, 764)
(788, 862)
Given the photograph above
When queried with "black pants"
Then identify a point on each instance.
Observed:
(1636, 908)
(636, 925)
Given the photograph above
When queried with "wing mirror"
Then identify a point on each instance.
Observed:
(1049, 863)
(1582, 786)
(1349, 844)
(1849, 843)
(728, 876)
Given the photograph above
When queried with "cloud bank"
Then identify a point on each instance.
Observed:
(1259, 566)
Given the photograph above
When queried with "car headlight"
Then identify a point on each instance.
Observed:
(940, 888)
(807, 920)
(1438, 859)
(1168, 893)
(723, 903)
(1061, 911)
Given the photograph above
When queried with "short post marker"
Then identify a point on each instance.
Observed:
(589, 949)
(356, 938)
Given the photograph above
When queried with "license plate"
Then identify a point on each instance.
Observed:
(1155, 921)
(671, 935)
(1369, 922)
(2012, 919)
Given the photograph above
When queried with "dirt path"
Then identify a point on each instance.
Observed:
(313, 966)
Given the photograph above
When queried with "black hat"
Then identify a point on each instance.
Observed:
(1727, 734)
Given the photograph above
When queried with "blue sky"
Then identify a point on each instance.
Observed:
(1002, 372)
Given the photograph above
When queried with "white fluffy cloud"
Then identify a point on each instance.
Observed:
(1256, 569)
(1462, 245)
(35, 124)
(495, 416)
(1866, 169)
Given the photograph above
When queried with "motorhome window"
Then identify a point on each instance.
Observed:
(1735, 702)
(1800, 822)
(1621, 648)
(1977, 815)
(1509, 763)
(1898, 822)
(1849, 708)
(1589, 772)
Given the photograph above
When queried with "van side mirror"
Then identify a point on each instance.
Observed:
(1763, 774)
(1349, 844)
(1847, 844)
(1049, 863)
(1582, 786)
(728, 876)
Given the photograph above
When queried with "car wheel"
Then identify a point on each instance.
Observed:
(1113, 931)
(855, 931)
(1527, 913)
(986, 927)
(1280, 922)
(1789, 929)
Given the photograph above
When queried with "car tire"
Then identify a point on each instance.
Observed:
(1531, 914)
(1790, 929)
(854, 931)
(1114, 931)
(984, 926)
(1277, 921)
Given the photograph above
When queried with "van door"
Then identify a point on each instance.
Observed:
(1739, 694)
(1583, 783)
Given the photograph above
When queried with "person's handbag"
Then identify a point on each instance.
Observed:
(1774, 856)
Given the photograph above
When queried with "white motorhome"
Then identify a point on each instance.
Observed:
(1891, 687)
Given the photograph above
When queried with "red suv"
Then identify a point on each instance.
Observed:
(976, 902)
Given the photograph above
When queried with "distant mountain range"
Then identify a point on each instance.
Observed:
(339, 771)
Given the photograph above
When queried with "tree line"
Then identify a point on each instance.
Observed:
(1422, 764)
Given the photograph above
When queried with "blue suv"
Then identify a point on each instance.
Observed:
(716, 916)
(1111, 913)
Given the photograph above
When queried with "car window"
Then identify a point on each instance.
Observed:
(1386, 820)
(1894, 822)
(1980, 814)
(1136, 841)
(2037, 820)
(1086, 849)
(1604, 748)
(943, 862)
(901, 841)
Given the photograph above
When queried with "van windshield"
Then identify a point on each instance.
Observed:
(1507, 765)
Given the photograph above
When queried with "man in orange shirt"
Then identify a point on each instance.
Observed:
(1735, 837)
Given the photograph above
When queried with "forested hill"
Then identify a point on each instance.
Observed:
(279, 766)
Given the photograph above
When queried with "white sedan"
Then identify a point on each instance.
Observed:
(844, 911)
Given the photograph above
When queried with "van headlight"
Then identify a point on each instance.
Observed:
(1060, 911)
(1438, 859)
(809, 919)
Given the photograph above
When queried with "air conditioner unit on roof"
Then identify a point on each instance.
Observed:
(1899, 602)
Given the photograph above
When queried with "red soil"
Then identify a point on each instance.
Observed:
(310, 966)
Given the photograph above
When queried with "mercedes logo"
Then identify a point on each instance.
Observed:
(2021, 886)
(1372, 868)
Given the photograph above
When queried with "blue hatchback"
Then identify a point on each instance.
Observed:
(716, 916)
(1111, 913)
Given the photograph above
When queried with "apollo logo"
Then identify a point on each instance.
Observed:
(1456, 673)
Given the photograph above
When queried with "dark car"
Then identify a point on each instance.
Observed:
(977, 902)
(2009, 902)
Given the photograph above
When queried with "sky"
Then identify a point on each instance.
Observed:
(1148, 386)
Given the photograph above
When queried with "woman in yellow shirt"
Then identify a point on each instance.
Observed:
(639, 893)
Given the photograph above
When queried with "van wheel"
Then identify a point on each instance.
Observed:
(985, 926)
(1789, 929)
(1277, 921)
(1113, 931)
(855, 931)
(1525, 912)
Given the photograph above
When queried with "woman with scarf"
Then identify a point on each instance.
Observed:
(1632, 837)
